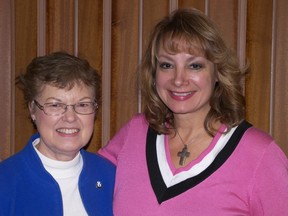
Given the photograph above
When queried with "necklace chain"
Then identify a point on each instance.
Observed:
(182, 139)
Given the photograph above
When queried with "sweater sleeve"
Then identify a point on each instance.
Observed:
(131, 131)
(269, 188)
(114, 147)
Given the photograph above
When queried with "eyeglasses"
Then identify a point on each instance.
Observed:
(54, 109)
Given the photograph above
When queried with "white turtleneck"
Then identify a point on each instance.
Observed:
(66, 173)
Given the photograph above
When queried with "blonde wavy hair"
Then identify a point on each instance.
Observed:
(192, 31)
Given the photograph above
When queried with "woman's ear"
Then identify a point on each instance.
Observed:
(31, 107)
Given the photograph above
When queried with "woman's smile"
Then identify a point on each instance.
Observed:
(181, 95)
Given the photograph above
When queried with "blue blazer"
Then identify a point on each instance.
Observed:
(26, 188)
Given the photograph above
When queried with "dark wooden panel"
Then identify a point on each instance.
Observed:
(6, 76)
(259, 28)
(153, 11)
(124, 62)
(60, 25)
(198, 4)
(25, 51)
(90, 25)
(280, 96)
(125, 41)
(225, 14)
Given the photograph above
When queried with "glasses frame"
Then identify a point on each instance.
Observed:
(42, 107)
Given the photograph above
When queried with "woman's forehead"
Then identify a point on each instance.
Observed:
(72, 87)
(178, 45)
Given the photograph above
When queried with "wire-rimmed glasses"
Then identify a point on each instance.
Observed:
(53, 109)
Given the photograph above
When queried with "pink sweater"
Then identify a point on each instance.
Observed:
(253, 180)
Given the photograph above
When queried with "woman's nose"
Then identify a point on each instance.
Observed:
(70, 115)
(179, 77)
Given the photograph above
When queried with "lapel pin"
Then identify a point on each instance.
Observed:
(98, 184)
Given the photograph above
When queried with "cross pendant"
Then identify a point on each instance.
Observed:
(183, 155)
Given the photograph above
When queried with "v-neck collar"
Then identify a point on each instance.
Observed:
(164, 192)
(197, 160)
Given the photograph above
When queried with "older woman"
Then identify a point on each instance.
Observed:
(192, 152)
(53, 175)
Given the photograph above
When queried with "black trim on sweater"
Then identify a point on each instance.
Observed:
(161, 191)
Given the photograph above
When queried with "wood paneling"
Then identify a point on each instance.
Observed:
(226, 18)
(7, 75)
(153, 11)
(280, 77)
(25, 51)
(90, 25)
(78, 27)
(259, 39)
(124, 62)
(199, 4)
(60, 26)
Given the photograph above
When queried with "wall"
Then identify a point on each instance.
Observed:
(112, 36)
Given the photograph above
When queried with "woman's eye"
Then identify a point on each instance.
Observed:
(196, 66)
(83, 104)
(165, 65)
(55, 105)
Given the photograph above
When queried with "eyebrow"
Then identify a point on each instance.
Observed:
(192, 57)
(59, 100)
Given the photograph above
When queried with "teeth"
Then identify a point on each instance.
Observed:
(182, 94)
(67, 131)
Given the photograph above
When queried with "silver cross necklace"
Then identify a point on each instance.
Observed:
(184, 153)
